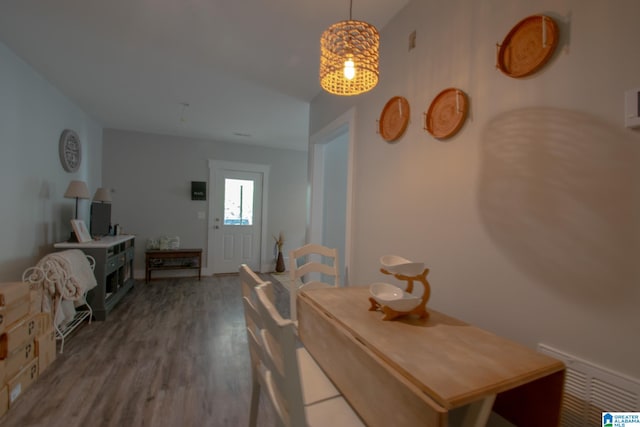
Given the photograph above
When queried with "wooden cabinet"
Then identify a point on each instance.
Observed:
(113, 270)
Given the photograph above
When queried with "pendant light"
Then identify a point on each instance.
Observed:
(349, 57)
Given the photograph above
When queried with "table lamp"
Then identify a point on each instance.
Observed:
(76, 190)
(102, 195)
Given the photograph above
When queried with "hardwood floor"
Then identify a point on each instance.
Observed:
(172, 353)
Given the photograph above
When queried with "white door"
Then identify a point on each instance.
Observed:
(235, 217)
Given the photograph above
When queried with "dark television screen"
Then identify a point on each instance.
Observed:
(100, 218)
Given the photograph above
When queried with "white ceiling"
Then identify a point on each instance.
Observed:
(247, 68)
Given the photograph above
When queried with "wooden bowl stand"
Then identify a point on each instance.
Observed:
(420, 309)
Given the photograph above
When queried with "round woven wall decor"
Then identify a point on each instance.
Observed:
(394, 118)
(447, 113)
(528, 46)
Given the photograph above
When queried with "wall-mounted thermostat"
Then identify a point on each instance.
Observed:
(632, 108)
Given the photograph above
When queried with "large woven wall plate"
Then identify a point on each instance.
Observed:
(447, 113)
(528, 46)
(394, 118)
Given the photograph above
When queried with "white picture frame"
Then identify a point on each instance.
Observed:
(82, 233)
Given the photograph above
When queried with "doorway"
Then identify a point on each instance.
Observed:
(237, 212)
(331, 176)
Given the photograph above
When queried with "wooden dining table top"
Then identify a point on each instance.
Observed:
(453, 362)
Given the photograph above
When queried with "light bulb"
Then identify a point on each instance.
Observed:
(349, 69)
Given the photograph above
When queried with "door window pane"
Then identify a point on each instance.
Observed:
(238, 202)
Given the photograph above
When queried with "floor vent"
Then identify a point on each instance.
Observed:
(590, 389)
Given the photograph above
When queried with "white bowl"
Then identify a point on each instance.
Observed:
(397, 265)
(393, 297)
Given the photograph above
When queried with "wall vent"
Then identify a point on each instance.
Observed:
(590, 389)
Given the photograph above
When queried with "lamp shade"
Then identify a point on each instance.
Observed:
(349, 58)
(77, 190)
(102, 195)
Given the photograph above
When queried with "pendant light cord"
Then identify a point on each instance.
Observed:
(350, 8)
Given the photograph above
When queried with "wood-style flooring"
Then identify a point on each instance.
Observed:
(172, 353)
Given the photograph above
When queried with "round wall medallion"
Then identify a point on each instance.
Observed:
(394, 118)
(70, 150)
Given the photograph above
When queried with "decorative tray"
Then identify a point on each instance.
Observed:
(528, 46)
(394, 118)
(447, 113)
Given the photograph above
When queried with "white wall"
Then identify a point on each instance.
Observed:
(150, 173)
(151, 177)
(529, 218)
(33, 212)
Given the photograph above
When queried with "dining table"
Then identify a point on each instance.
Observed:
(432, 371)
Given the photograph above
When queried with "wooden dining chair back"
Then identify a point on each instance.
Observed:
(248, 282)
(298, 389)
(311, 266)
(280, 362)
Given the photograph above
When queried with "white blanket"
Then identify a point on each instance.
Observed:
(68, 276)
(69, 271)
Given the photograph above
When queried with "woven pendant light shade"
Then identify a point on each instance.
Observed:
(355, 40)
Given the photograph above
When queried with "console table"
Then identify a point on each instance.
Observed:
(113, 270)
(173, 259)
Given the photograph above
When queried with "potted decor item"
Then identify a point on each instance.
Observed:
(280, 268)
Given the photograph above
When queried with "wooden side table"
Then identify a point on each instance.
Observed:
(173, 259)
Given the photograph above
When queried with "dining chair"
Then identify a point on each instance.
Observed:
(299, 391)
(311, 384)
(311, 266)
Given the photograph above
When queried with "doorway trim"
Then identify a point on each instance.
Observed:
(345, 123)
(242, 167)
